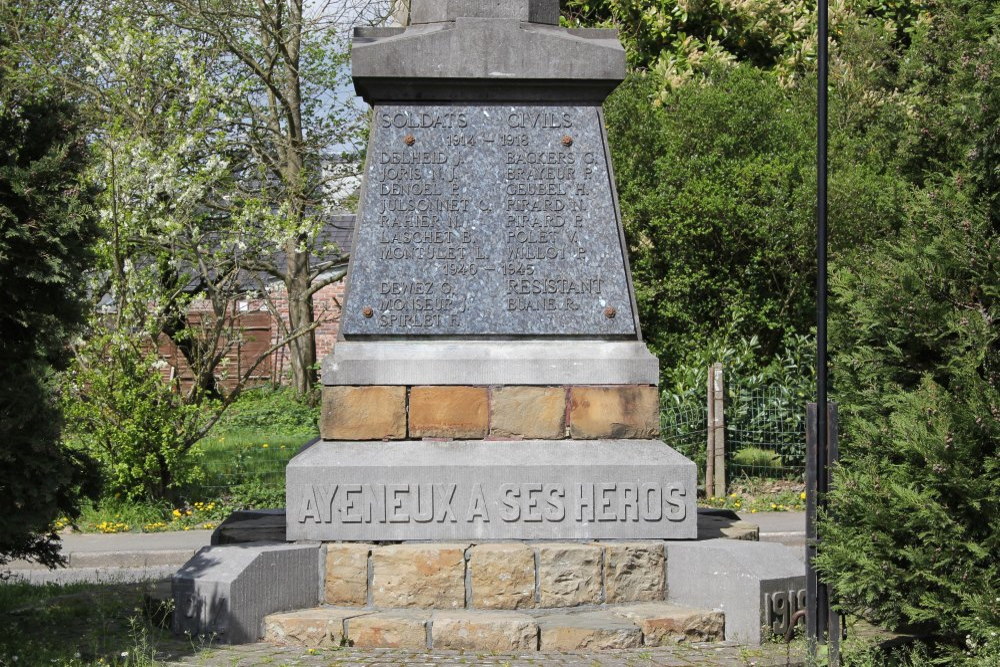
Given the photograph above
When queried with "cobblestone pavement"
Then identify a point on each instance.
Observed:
(684, 655)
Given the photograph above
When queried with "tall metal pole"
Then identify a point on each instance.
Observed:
(817, 593)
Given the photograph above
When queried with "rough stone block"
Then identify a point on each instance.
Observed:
(480, 491)
(614, 412)
(755, 584)
(225, 592)
(396, 629)
(484, 631)
(502, 576)
(449, 412)
(528, 412)
(347, 574)
(633, 571)
(597, 631)
(363, 413)
(314, 628)
(569, 575)
(426, 576)
(664, 624)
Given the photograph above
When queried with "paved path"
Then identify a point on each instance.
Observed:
(117, 558)
(681, 655)
(132, 557)
(788, 528)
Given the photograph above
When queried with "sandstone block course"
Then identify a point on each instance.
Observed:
(569, 575)
(419, 575)
(449, 412)
(484, 631)
(363, 413)
(598, 631)
(397, 629)
(312, 627)
(347, 574)
(614, 412)
(664, 624)
(502, 576)
(528, 412)
(633, 571)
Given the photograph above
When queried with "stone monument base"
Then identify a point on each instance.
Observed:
(549, 596)
(491, 490)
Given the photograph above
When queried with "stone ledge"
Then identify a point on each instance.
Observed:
(493, 363)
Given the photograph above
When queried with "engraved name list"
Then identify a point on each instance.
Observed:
(488, 220)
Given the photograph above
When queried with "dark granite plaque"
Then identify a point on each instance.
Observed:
(488, 219)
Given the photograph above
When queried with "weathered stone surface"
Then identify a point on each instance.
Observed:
(663, 624)
(225, 592)
(502, 576)
(449, 412)
(363, 413)
(569, 575)
(484, 631)
(633, 571)
(425, 576)
(395, 629)
(536, 11)
(614, 412)
(756, 584)
(528, 412)
(597, 631)
(528, 489)
(319, 627)
(477, 60)
(346, 581)
(543, 274)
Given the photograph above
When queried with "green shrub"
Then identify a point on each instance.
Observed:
(121, 412)
(47, 233)
(757, 461)
(716, 189)
(914, 538)
(275, 410)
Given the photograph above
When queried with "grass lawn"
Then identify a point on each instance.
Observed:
(752, 494)
(242, 469)
(82, 624)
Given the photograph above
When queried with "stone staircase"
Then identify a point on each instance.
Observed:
(611, 627)
(547, 596)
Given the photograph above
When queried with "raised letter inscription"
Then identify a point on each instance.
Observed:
(488, 220)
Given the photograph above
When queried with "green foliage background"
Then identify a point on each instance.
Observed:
(712, 136)
(46, 233)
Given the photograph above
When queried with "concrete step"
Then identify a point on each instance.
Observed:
(601, 628)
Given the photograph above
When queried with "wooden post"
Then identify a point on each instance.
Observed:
(710, 427)
(719, 428)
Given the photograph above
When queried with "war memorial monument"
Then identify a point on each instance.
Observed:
(489, 474)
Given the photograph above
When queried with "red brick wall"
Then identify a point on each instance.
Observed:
(263, 332)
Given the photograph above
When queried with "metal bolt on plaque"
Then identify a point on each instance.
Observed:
(567, 141)
(409, 140)
(610, 313)
(368, 312)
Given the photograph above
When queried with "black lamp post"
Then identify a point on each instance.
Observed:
(821, 623)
